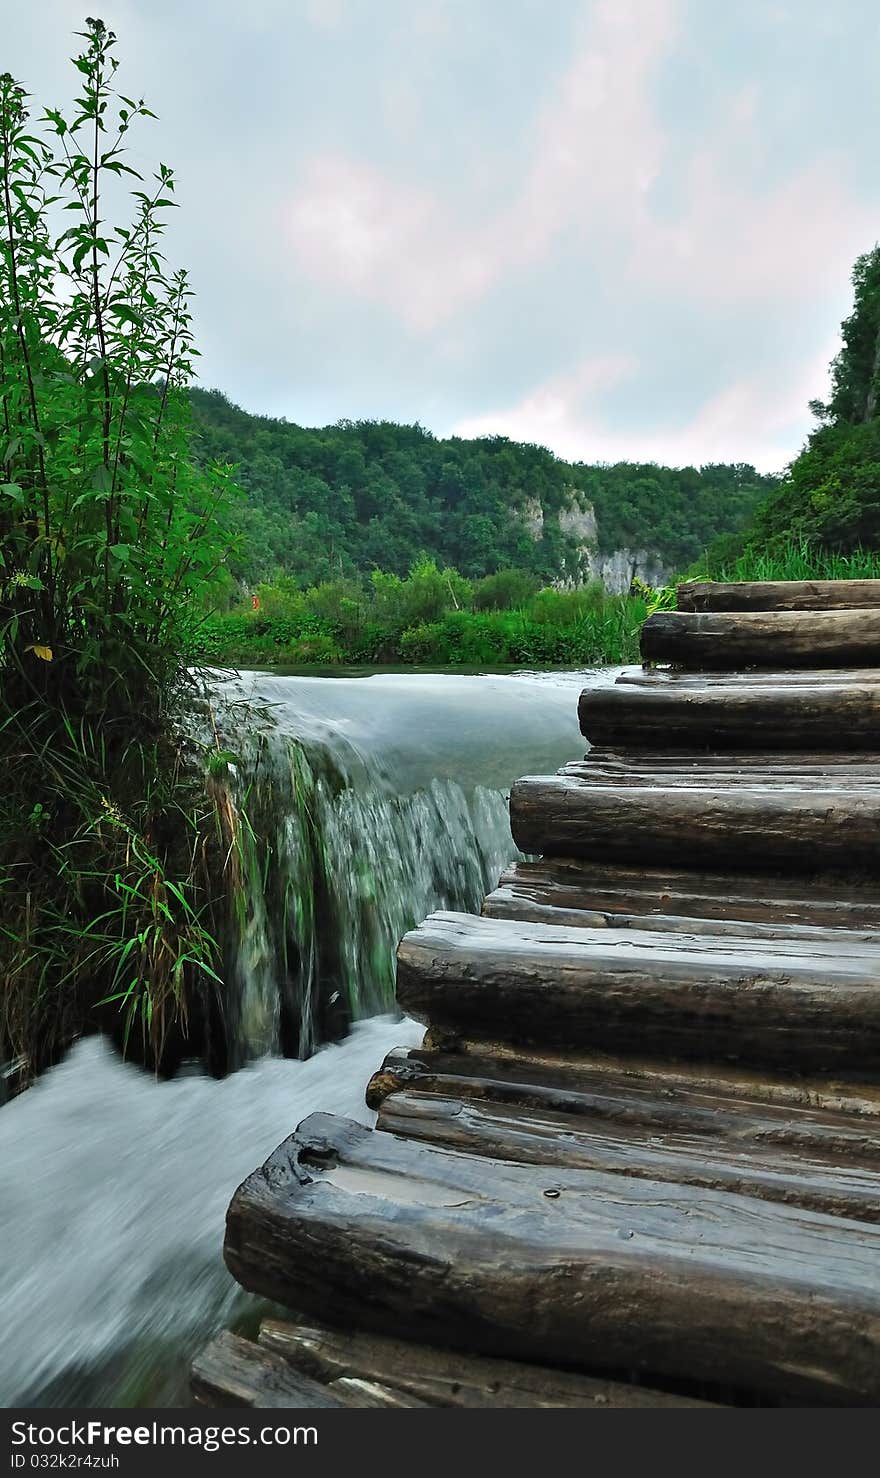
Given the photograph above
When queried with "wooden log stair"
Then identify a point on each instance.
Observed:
(636, 1161)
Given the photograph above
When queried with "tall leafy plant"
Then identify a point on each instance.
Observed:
(109, 536)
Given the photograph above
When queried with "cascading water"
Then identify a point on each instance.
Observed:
(368, 803)
(372, 800)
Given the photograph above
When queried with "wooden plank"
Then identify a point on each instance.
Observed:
(757, 638)
(820, 718)
(778, 595)
(801, 828)
(564, 891)
(447, 1378)
(372, 1231)
(526, 1135)
(810, 1005)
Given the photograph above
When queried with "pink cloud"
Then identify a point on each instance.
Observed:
(595, 153)
(357, 229)
(756, 418)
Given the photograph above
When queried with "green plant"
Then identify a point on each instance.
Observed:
(109, 536)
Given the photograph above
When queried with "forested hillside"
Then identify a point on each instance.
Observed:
(345, 499)
(675, 511)
(831, 496)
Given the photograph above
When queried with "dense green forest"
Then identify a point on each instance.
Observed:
(343, 500)
(830, 496)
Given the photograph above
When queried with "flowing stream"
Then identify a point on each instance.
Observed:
(372, 800)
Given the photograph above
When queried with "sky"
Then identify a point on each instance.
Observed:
(623, 229)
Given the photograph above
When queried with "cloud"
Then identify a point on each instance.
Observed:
(594, 154)
(736, 241)
(359, 230)
(752, 419)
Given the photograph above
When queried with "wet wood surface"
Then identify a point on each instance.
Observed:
(833, 638)
(838, 1115)
(811, 1003)
(741, 1160)
(802, 828)
(447, 1378)
(562, 890)
(778, 595)
(556, 1265)
(816, 717)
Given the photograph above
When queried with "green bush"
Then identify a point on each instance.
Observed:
(506, 590)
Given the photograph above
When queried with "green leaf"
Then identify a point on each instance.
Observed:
(124, 314)
(122, 552)
(13, 491)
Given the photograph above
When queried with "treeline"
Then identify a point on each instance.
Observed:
(342, 500)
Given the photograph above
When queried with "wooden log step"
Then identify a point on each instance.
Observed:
(806, 1004)
(232, 1371)
(804, 677)
(845, 717)
(525, 1136)
(705, 762)
(447, 1378)
(714, 771)
(582, 887)
(802, 828)
(761, 639)
(838, 1117)
(507, 902)
(567, 1266)
(778, 595)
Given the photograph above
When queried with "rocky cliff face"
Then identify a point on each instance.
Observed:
(618, 568)
(615, 568)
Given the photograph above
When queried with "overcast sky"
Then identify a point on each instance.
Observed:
(621, 228)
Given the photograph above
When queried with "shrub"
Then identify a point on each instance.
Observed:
(504, 591)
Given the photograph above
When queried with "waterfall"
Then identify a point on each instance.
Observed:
(338, 866)
(361, 805)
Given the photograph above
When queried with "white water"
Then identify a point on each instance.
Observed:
(113, 1187)
(113, 1195)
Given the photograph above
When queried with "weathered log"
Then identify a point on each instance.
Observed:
(674, 678)
(700, 763)
(448, 1378)
(772, 1172)
(561, 891)
(578, 1267)
(778, 595)
(804, 829)
(236, 1372)
(808, 1005)
(232, 1371)
(835, 1116)
(510, 903)
(713, 772)
(755, 638)
(844, 717)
